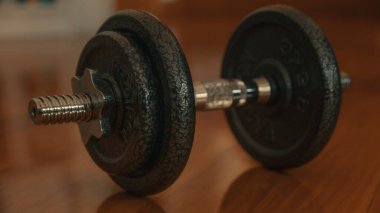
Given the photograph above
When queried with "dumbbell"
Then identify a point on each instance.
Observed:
(135, 102)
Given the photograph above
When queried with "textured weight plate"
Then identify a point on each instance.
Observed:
(124, 72)
(174, 90)
(285, 46)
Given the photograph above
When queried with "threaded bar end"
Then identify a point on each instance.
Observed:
(60, 109)
(345, 80)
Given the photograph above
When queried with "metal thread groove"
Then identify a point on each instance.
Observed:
(61, 109)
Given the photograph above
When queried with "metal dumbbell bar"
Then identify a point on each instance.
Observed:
(209, 95)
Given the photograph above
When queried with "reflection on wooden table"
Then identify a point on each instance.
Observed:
(46, 169)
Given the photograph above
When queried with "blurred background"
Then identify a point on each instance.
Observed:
(46, 169)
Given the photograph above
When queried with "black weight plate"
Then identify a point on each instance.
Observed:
(123, 70)
(285, 46)
(176, 96)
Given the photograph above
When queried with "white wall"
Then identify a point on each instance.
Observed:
(65, 18)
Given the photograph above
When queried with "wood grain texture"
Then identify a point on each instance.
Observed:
(47, 169)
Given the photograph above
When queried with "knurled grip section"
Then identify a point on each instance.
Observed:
(61, 109)
(219, 94)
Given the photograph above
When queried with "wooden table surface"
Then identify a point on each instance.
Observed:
(46, 169)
